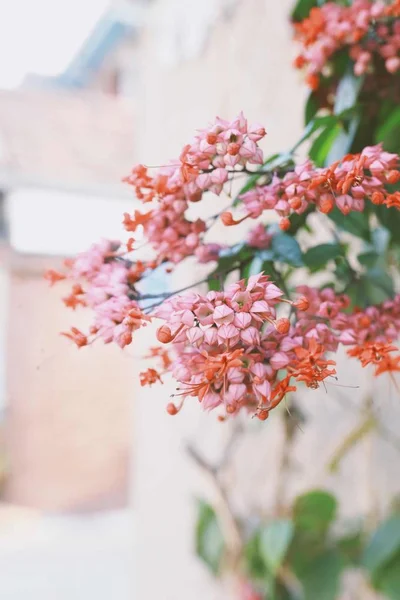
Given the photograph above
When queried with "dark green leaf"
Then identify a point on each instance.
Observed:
(390, 218)
(384, 544)
(320, 148)
(321, 580)
(389, 131)
(209, 540)
(312, 107)
(299, 221)
(342, 143)
(318, 256)
(214, 285)
(380, 279)
(356, 223)
(388, 579)
(302, 9)
(351, 547)
(275, 539)
(286, 249)
(368, 259)
(254, 562)
(315, 510)
(313, 126)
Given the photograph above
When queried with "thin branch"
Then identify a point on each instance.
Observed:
(229, 525)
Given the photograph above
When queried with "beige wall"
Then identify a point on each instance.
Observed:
(68, 422)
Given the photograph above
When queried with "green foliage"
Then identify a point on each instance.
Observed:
(315, 511)
(209, 540)
(321, 147)
(356, 223)
(302, 9)
(311, 108)
(321, 579)
(383, 546)
(274, 543)
(317, 257)
(303, 546)
(286, 249)
(388, 131)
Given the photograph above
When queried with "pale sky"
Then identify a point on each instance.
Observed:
(42, 36)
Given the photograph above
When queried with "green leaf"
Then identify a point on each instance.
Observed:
(255, 265)
(390, 218)
(321, 580)
(312, 107)
(318, 256)
(388, 580)
(302, 9)
(275, 539)
(286, 249)
(384, 544)
(320, 148)
(342, 143)
(347, 91)
(214, 285)
(209, 540)
(389, 131)
(315, 511)
(380, 279)
(368, 259)
(313, 126)
(356, 223)
(255, 565)
(351, 547)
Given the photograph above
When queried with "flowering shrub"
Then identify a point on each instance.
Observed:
(255, 335)
(368, 30)
(248, 345)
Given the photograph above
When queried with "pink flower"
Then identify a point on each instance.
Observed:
(223, 314)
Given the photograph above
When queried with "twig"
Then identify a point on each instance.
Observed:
(229, 525)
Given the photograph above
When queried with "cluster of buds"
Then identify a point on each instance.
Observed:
(368, 29)
(230, 349)
(205, 165)
(103, 281)
(346, 184)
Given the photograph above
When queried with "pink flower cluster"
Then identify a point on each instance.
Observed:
(345, 184)
(327, 320)
(107, 292)
(230, 346)
(365, 27)
(203, 166)
(230, 349)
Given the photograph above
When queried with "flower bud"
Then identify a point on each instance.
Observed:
(164, 334)
(393, 176)
(262, 414)
(284, 224)
(282, 325)
(302, 303)
(172, 409)
(377, 198)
